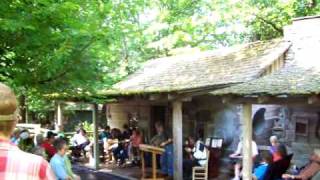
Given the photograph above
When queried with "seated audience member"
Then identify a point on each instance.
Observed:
(199, 158)
(80, 140)
(260, 171)
(280, 153)
(113, 141)
(103, 138)
(188, 147)
(48, 145)
(26, 142)
(60, 133)
(69, 168)
(136, 140)
(274, 144)
(105, 134)
(126, 132)
(38, 149)
(278, 168)
(58, 163)
(311, 169)
(15, 136)
(238, 156)
(117, 146)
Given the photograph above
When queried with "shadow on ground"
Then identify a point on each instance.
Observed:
(91, 174)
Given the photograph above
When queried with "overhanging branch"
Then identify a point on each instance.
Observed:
(273, 25)
(66, 70)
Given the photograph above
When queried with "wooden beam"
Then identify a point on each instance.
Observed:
(186, 99)
(95, 136)
(177, 140)
(226, 99)
(247, 142)
(154, 97)
(313, 99)
(271, 100)
(171, 97)
(263, 99)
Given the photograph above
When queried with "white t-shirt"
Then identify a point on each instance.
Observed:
(79, 139)
(253, 146)
(201, 156)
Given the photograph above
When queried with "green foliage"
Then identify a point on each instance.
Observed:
(76, 47)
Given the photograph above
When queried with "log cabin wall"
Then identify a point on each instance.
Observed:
(119, 114)
(296, 126)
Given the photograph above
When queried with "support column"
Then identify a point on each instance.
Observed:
(177, 139)
(59, 116)
(247, 142)
(95, 136)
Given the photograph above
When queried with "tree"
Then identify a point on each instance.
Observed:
(75, 47)
(50, 46)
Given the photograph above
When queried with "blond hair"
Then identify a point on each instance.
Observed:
(8, 108)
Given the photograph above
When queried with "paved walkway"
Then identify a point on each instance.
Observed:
(87, 173)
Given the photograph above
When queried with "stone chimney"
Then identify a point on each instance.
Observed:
(304, 33)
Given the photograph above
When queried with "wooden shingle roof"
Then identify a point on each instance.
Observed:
(207, 69)
(301, 75)
(292, 80)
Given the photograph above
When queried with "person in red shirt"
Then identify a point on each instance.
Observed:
(48, 145)
(15, 163)
(136, 140)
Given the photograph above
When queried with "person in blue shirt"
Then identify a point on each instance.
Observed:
(58, 163)
(260, 171)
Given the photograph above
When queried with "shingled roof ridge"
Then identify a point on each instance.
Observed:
(206, 69)
(215, 52)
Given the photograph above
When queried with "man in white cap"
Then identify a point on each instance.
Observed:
(14, 163)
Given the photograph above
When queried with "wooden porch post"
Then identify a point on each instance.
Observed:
(59, 116)
(95, 136)
(177, 140)
(247, 142)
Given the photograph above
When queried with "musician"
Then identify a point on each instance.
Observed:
(166, 159)
(160, 138)
(198, 158)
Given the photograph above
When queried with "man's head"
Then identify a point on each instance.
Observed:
(107, 128)
(61, 146)
(282, 150)
(39, 139)
(267, 157)
(50, 136)
(159, 127)
(8, 107)
(274, 140)
(125, 127)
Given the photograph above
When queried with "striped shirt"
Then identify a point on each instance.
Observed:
(17, 165)
(311, 169)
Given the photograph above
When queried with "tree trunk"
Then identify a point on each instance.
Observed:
(23, 109)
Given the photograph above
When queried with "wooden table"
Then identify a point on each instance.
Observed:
(154, 151)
